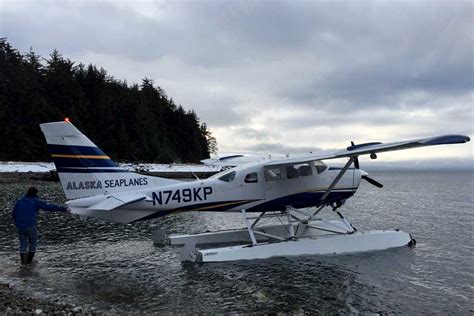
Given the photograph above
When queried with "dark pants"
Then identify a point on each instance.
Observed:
(28, 239)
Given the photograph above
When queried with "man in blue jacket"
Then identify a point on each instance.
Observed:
(25, 215)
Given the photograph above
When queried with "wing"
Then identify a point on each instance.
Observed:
(372, 148)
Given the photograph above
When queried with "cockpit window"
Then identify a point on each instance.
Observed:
(228, 177)
(320, 166)
(298, 170)
(251, 178)
(272, 174)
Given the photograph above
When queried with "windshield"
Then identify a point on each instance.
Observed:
(320, 166)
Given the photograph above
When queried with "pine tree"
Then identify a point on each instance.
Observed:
(131, 123)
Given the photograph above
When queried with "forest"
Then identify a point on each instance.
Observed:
(130, 123)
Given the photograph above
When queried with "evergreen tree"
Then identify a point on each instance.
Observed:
(131, 123)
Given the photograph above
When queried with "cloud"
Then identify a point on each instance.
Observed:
(300, 73)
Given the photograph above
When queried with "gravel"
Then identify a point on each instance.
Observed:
(15, 303)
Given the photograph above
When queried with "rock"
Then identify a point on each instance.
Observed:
(16, 303)
(159, 238)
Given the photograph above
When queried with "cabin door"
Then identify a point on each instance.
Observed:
(252, 186)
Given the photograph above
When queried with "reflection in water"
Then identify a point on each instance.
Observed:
(115, 268)
(300, 285)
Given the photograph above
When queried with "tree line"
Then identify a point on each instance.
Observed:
(131, 123)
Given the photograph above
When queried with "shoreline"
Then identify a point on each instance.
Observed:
(52, 175)
(13, 302)
(46, 171)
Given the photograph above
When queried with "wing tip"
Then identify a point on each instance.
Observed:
(447, 139)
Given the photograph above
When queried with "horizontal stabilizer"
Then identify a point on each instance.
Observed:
(116, 201)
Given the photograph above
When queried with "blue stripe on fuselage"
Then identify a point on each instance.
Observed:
(300, 200)
(220, 206)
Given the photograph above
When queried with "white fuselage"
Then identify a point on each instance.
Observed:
(251, 187)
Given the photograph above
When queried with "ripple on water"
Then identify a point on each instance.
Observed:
(115, 268)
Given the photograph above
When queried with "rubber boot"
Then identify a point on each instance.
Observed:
(24, 259)
(30, 257)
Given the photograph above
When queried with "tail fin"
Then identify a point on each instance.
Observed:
(84, 169)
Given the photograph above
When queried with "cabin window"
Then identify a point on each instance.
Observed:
(298, 170)
(292, 172)
(305, 169)
(320, 166)
(272, 174)
(228, 177)
(251, 178)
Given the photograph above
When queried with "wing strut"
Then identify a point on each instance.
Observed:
(336, 180)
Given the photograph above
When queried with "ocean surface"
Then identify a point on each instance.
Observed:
(115, 268)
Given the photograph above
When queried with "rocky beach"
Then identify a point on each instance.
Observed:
(15, 303)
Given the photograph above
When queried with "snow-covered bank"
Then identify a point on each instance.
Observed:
(15, 166)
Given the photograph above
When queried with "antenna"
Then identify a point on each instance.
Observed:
(263, 150)
(287, 154)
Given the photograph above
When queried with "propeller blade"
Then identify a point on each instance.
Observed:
(372, 181)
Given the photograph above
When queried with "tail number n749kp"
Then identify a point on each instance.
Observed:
(181, 195)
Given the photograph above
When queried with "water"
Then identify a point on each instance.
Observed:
(115, 268)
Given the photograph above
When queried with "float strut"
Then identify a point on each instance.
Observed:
(348, 224)
(290, 225)
(249, 227)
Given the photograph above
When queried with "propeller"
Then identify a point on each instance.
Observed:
(372, 181)
(365, 174)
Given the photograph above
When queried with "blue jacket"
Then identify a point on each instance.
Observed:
(25, 212)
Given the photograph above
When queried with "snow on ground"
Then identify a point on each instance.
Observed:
(15, 166)
(155, 167)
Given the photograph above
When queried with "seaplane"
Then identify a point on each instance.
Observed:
(293, 191)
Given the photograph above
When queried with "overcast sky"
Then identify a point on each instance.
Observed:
(309, 75)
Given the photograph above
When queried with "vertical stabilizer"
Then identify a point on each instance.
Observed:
(84, 169)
